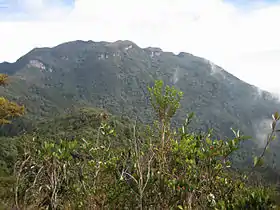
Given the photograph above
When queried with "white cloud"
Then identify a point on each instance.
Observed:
(243, 41)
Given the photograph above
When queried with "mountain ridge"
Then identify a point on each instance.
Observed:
(115, 75)
(151, 49)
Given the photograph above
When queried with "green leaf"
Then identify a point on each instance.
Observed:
(258, 161)
(275, 116)
(180, 207)
(261, 162)
(255, 160)
(208, 141)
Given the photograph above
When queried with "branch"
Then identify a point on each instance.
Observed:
(148, 173)
(18, 178)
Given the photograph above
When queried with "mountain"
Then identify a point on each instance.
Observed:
(114, 76)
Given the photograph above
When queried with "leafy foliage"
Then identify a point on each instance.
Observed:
(3, 79)
(8, 109)
(156, 167)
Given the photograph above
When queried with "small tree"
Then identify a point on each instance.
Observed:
(8, 109)
(165, 102)
(142, 155)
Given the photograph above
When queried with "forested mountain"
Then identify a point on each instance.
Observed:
(115, 76)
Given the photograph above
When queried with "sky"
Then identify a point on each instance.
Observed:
(242, 36)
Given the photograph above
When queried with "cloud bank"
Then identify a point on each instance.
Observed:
(241, 38)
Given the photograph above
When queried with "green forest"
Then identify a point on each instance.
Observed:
(90, 158)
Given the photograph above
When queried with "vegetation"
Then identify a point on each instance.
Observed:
(8, 109)
(133, 166)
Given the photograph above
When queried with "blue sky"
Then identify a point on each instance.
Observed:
(17, 5)
(20, 10)
(241, 36)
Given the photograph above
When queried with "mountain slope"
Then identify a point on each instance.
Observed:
(115, 75)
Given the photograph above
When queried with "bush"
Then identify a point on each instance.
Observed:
(157, 168)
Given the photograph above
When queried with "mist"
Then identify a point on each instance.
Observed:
(175, 76)
(262, 129)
